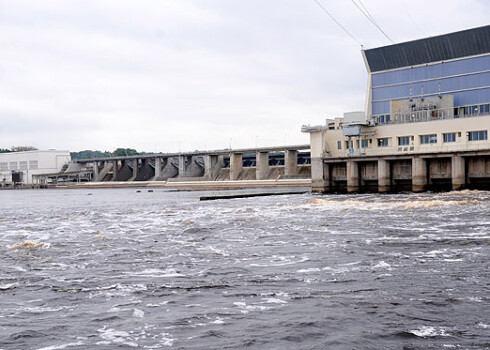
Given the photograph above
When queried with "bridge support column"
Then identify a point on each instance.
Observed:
(352, 170)
(182, 166)
(320, 176)
(158, 167)
(96, 172)
(262, 161)
(419, 174)
(290, 163)
(135, 168)
(236, 163)
(211, 166)
(458, 173)
(115, 170)
(384, 176)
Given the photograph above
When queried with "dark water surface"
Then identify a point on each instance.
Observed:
(118, 270)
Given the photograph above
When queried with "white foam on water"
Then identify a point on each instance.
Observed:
(245, 309)
(8, 286)
(218, 321)
(382, 265)
(311, 269)
(283, 262)
(429, 331)
(155, 273)
(116, 337)
(159, 304)
(40, 309)
(62, 346)
(483, 325)
(274, 301)
(138, 313)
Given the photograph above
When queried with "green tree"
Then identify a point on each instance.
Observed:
(122, 152)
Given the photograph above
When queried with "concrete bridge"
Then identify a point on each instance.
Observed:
(286, 162)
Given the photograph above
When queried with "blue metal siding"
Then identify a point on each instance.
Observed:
(443, 69)
(410, 78)
(432, 87)
(460, 99)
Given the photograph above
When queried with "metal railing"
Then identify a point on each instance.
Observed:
(432, 114)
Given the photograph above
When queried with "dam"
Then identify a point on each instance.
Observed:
(271, 163)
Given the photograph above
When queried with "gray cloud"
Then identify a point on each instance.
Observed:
(192, 74)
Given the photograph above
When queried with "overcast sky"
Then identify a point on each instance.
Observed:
(170, 75)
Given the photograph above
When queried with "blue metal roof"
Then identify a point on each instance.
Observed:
(465, 43)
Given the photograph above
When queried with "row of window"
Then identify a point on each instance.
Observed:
(479, 135)
(459, 112)
(23, 165)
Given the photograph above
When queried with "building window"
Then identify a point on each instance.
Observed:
(384, 119)
(449, 137)
(365, 143)
(33, 165)
(427, 139)
(404, 141)
(23, 165)
(4, 166)
(349, 144)
(339, 144)
(478, 135)
(383, 142)
(14, 166)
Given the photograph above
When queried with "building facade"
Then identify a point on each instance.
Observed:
(20, 167)
(426, 123)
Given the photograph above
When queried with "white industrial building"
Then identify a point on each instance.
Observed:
(19, 167)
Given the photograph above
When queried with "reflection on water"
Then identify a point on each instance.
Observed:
(157, 270)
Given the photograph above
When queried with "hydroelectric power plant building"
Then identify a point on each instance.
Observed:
(426, 122)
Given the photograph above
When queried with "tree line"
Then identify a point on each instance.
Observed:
(118, 152)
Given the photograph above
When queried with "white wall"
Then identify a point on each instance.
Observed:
(31, 163)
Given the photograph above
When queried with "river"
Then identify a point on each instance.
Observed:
(121, 269)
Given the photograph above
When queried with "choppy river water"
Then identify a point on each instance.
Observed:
(117, 269)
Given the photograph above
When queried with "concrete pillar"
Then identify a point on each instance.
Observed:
(158, 167)
(135, 168)
(96, 171)
(352, 176)
(211, 166)
(115, 170)
(236, 163)
(290, 163)
(419, 174)
(262, 167)
(458, 172)
(384, 176)
(182, 166)
(320, 175)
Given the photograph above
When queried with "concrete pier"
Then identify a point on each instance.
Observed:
(158, 168)
(290, 162)
(458, 172)
(236, 163)
(211, 166)
(384, 176)
(262, 160)
(352, 177)
(115, 169)
(419, 174)
(182, 166)
(320, 175)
